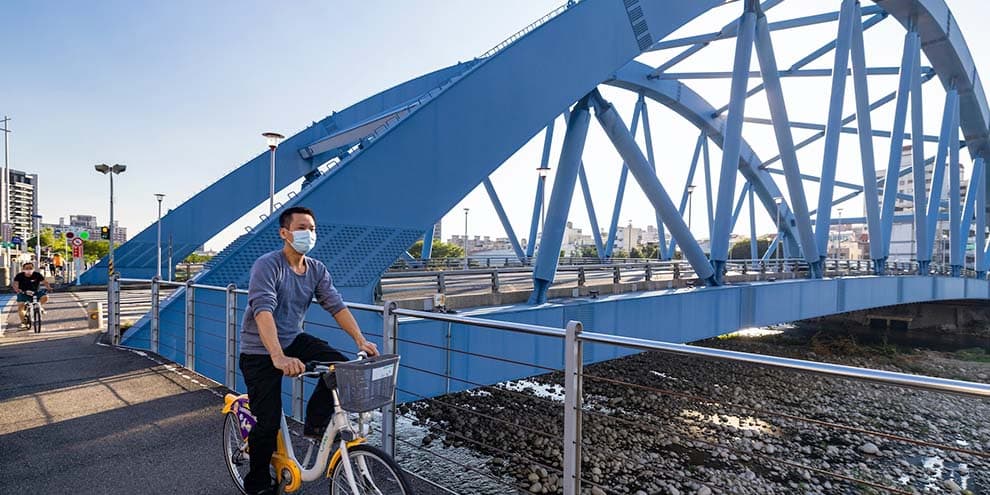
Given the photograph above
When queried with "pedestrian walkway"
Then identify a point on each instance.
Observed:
(77, 416)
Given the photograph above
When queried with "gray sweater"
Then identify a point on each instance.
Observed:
(275, 288)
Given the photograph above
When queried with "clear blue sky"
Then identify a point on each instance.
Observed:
(181, 90)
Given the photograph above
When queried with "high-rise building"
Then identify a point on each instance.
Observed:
(23, 202)
(85, 222)
(438, 231)
(119, 233)
(903, 244)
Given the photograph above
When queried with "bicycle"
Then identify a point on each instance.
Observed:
(33, 312)
(361, 386)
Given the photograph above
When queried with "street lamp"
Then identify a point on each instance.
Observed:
(465, 238)
(158, 271)
(838, 240)
(37, 241)
(778, 201)
(273, 139)
(690, 190)
(105, 169)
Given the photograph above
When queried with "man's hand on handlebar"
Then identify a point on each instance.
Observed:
(368, 347)
(290, 366)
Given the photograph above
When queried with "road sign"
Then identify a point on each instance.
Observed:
(77, 242)
(77, 250)
(84, 234)
(70, 235)
(16, 240)
(58, 233)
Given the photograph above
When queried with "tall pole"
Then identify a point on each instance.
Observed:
(158, 270)
(690, 205)
(466, 238)
(271, 184)
(779, 232)
(170, 264)
(37, 239)
(110, 267)
(5, 183)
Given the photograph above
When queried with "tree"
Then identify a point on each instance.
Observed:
(740, 249)
(586, 252)
(197, 258)
(440, 250)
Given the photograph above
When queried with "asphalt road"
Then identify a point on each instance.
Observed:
(80, 417)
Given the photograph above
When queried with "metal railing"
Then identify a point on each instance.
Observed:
(559, 468)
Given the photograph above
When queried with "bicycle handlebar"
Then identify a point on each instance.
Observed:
(317, 368)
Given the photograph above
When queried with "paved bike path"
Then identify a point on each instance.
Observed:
(80, 417)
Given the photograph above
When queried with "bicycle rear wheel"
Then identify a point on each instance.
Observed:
(235, 452)
(375, 473)
(37, 317)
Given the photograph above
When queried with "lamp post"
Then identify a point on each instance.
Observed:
(37, 240)
(690, 190)
(465, 238)
(838, 239)
(778, 201)
(158, 270)
(105, 169)
(273, 139)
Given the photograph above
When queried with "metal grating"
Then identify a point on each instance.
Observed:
(638, 23)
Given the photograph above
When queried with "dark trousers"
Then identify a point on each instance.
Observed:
(264, 386)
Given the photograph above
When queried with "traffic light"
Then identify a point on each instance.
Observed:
(105, 233)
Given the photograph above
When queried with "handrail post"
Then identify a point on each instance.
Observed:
(390, 330)
(230, 378)
(495, 282)
(441, 283)
(190, 326)
(114, 309)
(155, 314)
(649, 272)
(573, 368)
(616, 275)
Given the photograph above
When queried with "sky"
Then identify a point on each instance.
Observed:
(180, 91)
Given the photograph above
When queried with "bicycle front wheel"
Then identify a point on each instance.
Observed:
(235, 451)
(37, 318)
(375, 473)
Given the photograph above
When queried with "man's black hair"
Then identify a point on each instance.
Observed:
(285, 219)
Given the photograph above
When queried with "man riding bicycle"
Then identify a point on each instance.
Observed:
(273, 343)
(26, 284)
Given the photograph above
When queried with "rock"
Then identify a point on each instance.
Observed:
(597, 491)
(427, 440)
(533, 477)
(704, 490)
(673, 491)
(952, 486)
(536, 487)
(596, 471)
(832, 450)
(869, 448)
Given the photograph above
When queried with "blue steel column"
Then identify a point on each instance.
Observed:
(753, 246)
(504, 219)
(613, 225)
(597, 234)
(648, 136)
(624, 143)
(865, 128)
(911, 43)
(427, 250)
(949, 116)
(981, 221)
(957, 243)
(687, 184)
(733, 140)
(540, 181)
(785, 143)
(924, 252)
(708, 190)
(833, 126)
(972, 192)
(560, 202)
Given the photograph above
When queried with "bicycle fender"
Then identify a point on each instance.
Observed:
(336, 455)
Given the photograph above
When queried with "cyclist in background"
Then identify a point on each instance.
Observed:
(26, 281)
(274, 345)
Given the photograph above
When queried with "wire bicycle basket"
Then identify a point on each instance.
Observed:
(367, 384)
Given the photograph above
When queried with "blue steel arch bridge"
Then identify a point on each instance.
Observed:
(441, 135)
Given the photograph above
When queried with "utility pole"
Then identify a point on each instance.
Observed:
(5, 203)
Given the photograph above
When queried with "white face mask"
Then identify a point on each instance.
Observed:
(303, 240)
